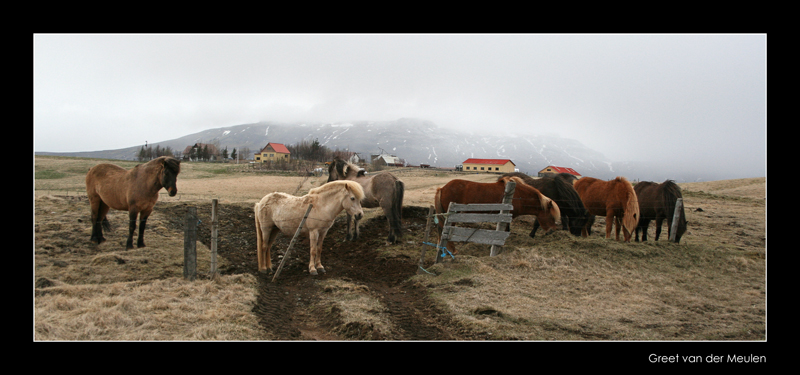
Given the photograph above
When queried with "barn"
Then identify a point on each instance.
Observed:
(489, 165)
(552, 170)
(273, 152)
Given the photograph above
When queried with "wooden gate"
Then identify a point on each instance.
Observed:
(476, 213)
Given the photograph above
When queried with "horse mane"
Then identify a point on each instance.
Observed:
(343, 167)
(172, 164)
(671, 188)
(543, 199)
(631, 218)
(355, 187)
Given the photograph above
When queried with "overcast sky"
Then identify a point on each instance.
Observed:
(628, 96)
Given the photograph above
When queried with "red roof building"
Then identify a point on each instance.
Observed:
(551, 170)
(273, 152)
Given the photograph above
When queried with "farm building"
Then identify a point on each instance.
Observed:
(273, 152)
(387, 160)
(201, 151)
(489, 165)
(553, 170)
(348, 156)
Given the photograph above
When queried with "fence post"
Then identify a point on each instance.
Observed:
(508, 195)
(214, 236)
(190, 245)
(427, 236)
(673, 231)
(291, 243)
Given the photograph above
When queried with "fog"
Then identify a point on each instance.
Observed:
(697, 99)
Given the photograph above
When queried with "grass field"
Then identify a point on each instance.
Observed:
(710, 287)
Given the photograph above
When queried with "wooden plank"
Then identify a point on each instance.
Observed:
(508, 194)
(481, 236)
(459, 207)
(479, 218)
(291, 243)
(675, 218)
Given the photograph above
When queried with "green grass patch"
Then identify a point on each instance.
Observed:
(48, 174)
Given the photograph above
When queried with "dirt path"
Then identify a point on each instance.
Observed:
(288, 309)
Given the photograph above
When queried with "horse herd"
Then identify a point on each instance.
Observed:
(561, 200)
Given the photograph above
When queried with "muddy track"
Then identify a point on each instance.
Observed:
(287, 308)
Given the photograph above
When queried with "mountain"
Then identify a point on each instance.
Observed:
(420, 142)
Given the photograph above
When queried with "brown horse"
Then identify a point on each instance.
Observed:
(574, 215)
(614, 199)
(657, 202)
(382, 190)
(527, 200)
(135, 190)
(282, 213)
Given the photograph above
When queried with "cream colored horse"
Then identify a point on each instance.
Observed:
(281, 212)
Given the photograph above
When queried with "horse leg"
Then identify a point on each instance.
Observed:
(609, 223)
(645, 225)
(356, 229)
(264, 253)
(392, 218)
(313, 261)
(131, 227)
(142, 223)
(349, 236)
(99, 221)
(659, 221)
(642, 227)
(535, 227)
(318, 262)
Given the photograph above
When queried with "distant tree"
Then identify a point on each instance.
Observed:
(225, 153)
(233, 154)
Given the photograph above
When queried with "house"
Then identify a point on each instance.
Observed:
(488, 165)
(198, 151)
(273, 152)
(553, 170)
(349, 156)
(387, 160)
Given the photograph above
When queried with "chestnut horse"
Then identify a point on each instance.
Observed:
(574, 215)
(282, 213)
(135, 190)
(527, 200)
(382, 190)
(614, 199)
(657, 202)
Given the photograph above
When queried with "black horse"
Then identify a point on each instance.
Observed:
(657, 202)
(559, 188)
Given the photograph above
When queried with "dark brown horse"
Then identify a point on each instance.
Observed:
(614, 199)
(574, 215)
(382, 190)
(527, 200)
(657, 202)
(135, 190)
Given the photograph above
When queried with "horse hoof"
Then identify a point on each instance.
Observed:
(321, 269)
(313, 272)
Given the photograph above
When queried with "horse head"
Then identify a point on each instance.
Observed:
(334, 169)
(352, 203)
(170, 167)
(550, 216)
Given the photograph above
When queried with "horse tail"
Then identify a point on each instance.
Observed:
(259, 234)
(397, 207)
(437, 206)
(631, 218)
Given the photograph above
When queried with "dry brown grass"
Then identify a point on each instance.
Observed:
(712, 286)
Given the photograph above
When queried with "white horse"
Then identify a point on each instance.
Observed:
(281, 212)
